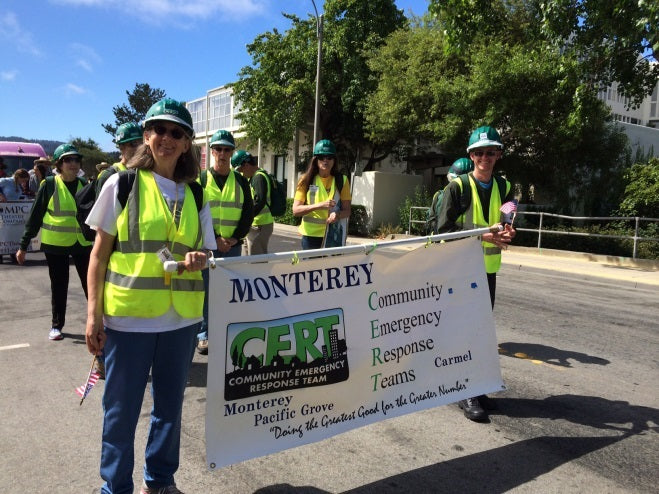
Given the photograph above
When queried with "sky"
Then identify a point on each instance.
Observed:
(64, 64)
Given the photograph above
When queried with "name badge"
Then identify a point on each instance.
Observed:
(165, 255)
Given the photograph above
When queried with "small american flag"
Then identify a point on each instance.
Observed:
(509, 207)
(92, 378)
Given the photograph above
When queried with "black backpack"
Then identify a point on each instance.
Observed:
(277, 203)
(85, 199)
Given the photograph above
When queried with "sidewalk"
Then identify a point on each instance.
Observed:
(622, 269)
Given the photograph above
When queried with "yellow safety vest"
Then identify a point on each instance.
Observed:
(119, 166)
(314, 223)
(60, 226)
(226, 205)
(135, 282)
(265, 216)
(473, 218)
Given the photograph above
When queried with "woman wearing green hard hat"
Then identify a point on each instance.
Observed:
(54, 211)
(322, 198)
(143, 318)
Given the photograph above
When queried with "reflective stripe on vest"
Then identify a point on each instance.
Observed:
(314, 223)
(264, 217)
(135, 283)
(226, 205)
(60, 226)
(473, 217)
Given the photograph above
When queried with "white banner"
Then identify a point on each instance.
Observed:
(13, 216)
(301, 352)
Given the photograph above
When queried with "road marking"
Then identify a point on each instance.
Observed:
(524, 356)
(12, 347)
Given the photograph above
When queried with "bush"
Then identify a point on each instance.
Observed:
(420, 198)
(287, 218)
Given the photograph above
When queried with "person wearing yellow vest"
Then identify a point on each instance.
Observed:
(485, 148)
(143, 319)
(317, 198)
(127, 138)
(54, 211)
(232, 208)
(259, 183)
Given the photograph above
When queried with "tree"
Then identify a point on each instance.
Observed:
(140, 100)
(611, 41)
(92, 155)
(277, 91)
(555, 135)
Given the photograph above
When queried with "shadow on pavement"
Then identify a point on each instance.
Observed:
(547, 354)
(508, 467)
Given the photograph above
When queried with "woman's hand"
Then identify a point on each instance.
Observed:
(194, 261)
(95, 334)
(20, 256)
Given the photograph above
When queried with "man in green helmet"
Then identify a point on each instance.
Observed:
(474, 203)
(459, 167)
(127, 138)
(263, 224)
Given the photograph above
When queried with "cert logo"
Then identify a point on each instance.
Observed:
(294, 352)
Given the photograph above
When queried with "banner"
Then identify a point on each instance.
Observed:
(13, 216)
(302, 351)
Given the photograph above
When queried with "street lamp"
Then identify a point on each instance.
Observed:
(319, 35)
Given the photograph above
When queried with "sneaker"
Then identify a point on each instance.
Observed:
(472, 409)
(170, 489)
(99, 366)
(55, 334)
(202, 347)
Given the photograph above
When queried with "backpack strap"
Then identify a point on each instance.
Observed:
(127, 180)
(203, 177)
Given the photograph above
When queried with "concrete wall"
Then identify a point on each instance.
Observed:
(381, 193)
(642, 137)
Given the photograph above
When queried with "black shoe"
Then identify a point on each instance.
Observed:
(472, 409)
(487, 403)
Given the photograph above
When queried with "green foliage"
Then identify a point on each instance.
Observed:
(287, 218)
(277, 90)
(420, 198)
(555, 135)
(92, 155)
(139, 102)
(612, 40)
(641, 196)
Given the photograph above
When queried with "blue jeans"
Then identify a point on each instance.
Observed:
(234, 251)
(309, 243)
(128, 359)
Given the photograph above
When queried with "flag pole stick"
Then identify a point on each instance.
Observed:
(91, 369)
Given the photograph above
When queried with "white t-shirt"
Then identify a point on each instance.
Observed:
(104, 215)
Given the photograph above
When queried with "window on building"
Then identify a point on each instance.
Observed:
(219, 109)
(197, 110)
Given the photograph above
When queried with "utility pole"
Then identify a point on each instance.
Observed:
(319, 35)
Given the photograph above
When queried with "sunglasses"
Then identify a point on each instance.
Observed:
(222, 150)
(325, 158)
(174, 133)
(71, 159)
(486, 153)
(133, 144)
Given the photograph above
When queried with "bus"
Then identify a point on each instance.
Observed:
(17, 155)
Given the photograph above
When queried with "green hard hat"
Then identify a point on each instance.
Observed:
(324, 147)
(239, 157)
(128, 132)
(67, 149)
(223, 138)
(172, 111)
(460, 167)
(484, 136)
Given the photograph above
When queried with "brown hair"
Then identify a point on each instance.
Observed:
(187, 167)
(312, 170)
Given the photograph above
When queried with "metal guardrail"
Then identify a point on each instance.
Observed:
(636, 219)
(634, 237)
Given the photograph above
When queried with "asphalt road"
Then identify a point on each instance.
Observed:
(581, 412)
